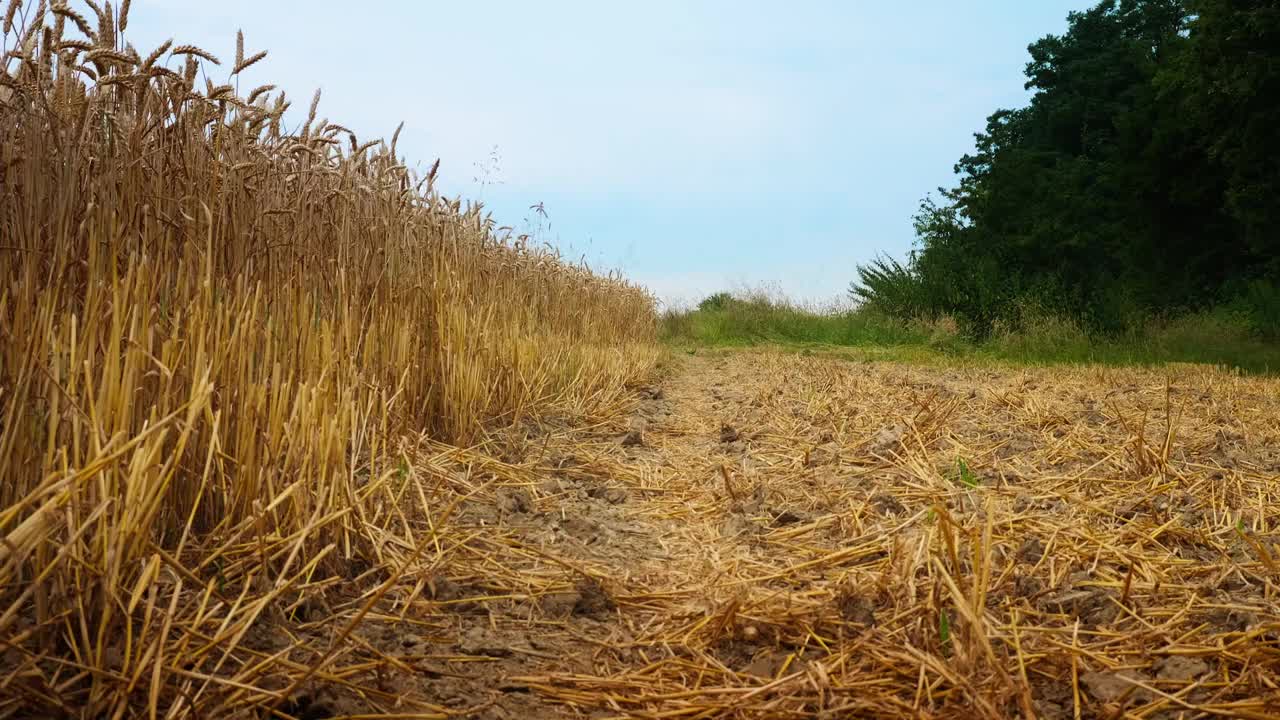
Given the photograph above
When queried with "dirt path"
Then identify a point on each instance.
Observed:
(768, 535)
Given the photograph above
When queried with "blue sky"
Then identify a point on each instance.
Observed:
(695, 146)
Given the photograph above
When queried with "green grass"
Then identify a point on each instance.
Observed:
(1214, 338)
(756, 320)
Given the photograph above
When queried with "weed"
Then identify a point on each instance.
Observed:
(964, 475)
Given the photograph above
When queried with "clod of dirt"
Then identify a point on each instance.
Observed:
(514, 500)
(766, 666)
(1111, 687)
(114, 657)
(560, 604)
(1027, 585)
(728, 434)
(613, 496)
(480, 641)
(552, 486)
(415, 646)
(822, 455)
(1031, 550)
(1022, 503)
(737, 525)
(1181, 668)
(887, 439)
(1053, 701)
(886, 504)
(1051, 710)
(1094, 606)
(1130, 509)
(734, 652)
(308, 707)
(1233, 583)
(593, 599)
(856, 607)
(10, 657)
(309, 610)
(588, 531)
(442, 588)
(1232, 620)
(787, 517)
(1014, 446)
(564, 461)
(633, 438)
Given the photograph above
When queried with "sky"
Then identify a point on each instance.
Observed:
(695, 146)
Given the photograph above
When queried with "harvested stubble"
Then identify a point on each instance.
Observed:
(1108, 551)
(214, 333)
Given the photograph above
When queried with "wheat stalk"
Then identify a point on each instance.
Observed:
(65, 11)
(106, 54)
(257, 92)
(244, 64)
(154, 55)
(9, 14)
(193, 51)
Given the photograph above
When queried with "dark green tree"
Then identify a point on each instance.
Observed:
(1141, 177)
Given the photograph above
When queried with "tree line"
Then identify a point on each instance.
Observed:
(1143, 177)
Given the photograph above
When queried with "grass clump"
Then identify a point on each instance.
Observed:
(1225, 336)
(726, 319)
(1214, 337)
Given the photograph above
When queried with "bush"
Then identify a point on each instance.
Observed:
(758, 316)
(887, 286)
(717, 301)
(1262, 301)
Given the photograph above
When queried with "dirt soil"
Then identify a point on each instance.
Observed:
(767, 535)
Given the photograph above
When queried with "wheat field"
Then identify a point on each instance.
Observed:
(287, 433)
(219, 338)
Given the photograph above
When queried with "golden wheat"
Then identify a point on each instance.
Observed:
(216, 343)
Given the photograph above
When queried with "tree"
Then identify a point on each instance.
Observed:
(1142, 176)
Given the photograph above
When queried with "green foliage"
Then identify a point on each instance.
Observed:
(964, 474)
(1034, 333)
(888, 286)
(1262, 307)
(1140, 180)
(724, 319)
(717, 301)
